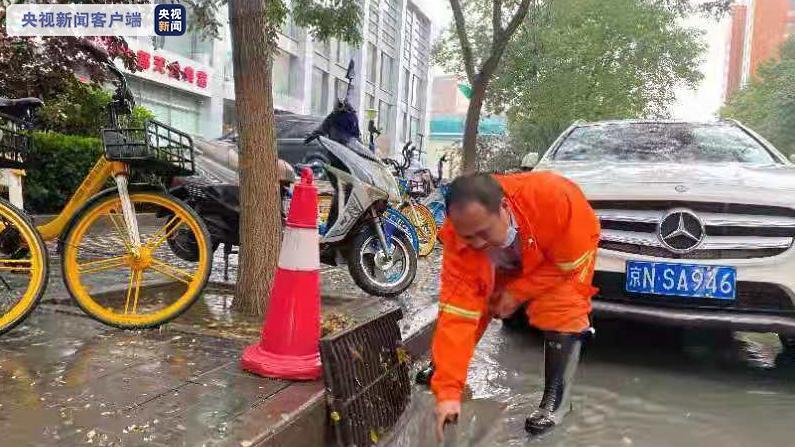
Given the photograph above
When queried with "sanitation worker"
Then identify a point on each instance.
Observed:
(527, 241)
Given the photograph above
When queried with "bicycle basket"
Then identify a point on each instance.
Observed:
(155, 148)
(14, 147)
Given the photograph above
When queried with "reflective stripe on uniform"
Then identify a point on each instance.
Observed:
(574, 265)
(459, 312)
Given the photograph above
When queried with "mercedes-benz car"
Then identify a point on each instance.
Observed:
(698, 221)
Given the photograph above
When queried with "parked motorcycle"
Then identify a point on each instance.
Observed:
(376, 242)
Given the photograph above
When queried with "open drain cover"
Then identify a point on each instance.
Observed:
(367, 379)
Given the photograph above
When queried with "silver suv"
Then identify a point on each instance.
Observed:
(698, 221)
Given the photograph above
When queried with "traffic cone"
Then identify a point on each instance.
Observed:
(289, 347)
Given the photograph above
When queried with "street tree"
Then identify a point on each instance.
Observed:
(45, 68)
(254, 25)
(593, 60)
(581, 59)
(767, 104)
(481, 33)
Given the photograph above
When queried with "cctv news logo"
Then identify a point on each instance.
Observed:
(169, 20)
(80, 19)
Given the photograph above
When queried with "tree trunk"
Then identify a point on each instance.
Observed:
(470, 147)
(259, 194)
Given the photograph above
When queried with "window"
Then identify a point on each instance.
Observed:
(414, 90)
(383, 116)
(340, 88)
(191, 45)
(415, 130)
(172, 107)
(406, 80)
(289, 28)
(281, 74)
(420, 94)
(369, 102)
(319, 92)
(663, 143)
(343, 53)
(323, 48)
(404, 124)
(372, 60)
(386, 72)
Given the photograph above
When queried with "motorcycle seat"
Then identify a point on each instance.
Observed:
(18, 108)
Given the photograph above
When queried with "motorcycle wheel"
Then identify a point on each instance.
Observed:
(183, 244)
(374, 273)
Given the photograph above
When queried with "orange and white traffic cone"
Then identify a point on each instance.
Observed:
(289, 348)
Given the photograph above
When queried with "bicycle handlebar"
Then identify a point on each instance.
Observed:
(123, 95)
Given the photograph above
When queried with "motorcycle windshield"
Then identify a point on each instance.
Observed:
(364, 165)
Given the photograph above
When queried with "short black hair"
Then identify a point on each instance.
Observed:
(479, 188)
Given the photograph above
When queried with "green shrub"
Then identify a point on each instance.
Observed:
(56, 166)
(81, 110)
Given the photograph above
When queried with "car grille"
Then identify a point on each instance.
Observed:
(731, 231)
(751, 296)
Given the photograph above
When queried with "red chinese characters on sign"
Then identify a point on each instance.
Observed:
(201, 79)
(174, 70)
(143, 60)
(187, 74)
(160, 64)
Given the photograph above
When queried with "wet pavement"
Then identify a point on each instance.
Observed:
(68, 380)
(637, 385)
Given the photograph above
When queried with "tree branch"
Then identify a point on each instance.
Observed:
(466, 47)
(516, 20)
(496, 19)
(498, 48)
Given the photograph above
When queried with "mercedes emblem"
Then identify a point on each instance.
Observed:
(681, 231)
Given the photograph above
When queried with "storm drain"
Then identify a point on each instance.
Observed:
(367, 379)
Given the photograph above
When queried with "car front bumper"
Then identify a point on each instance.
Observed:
(765, 300)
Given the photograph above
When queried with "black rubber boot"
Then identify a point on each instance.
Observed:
(561, 356)
(424, 375)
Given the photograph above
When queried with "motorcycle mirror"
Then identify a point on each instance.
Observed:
(351, 73)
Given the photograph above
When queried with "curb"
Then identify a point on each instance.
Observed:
(310, 422)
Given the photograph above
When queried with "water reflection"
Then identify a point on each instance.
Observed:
(638, 385)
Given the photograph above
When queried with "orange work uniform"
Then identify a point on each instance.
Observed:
(558, 234)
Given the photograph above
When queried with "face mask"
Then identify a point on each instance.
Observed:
(511, 236)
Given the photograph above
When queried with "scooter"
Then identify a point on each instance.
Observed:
(378, 244)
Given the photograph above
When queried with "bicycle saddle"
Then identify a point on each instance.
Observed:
(18, 108)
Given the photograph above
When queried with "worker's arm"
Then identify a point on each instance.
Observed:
(568, 238)
(461, 305)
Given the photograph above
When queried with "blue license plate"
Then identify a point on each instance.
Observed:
(694, 281)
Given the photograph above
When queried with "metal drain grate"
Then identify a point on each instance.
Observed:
(367, 379)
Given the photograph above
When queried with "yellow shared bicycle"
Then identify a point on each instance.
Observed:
(132, 256)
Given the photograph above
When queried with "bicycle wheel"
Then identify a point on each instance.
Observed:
(421, 217)
(157, 285)
(23, 266)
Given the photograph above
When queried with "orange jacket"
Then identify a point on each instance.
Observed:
(558, 232)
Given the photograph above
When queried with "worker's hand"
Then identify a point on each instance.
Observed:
(503, 305)
(446, 411)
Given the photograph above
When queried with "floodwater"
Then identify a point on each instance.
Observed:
(637, 386)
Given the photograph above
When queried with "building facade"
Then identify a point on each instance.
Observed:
(188, 82)
(758, 28)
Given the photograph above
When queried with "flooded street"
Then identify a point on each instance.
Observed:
(637, 385)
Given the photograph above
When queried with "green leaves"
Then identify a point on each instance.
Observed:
(767, 104)
(592, 60)
(57, 164)
(330, 18)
